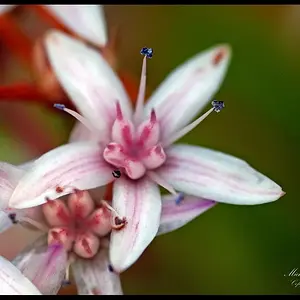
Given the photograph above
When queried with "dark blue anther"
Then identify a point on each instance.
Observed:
(218, 105)
(13, 219)
(147, 52)
(116, 173)
(110, 268)
(66, 282)
(59, 106)
(179, 198)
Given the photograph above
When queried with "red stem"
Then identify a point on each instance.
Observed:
(22, 90)
(17, 42)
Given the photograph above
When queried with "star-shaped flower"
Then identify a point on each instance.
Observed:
(139, 144)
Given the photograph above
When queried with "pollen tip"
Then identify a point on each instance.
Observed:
(59, 106)
(110, 268)
(12, 217)
(179, 199)
(148, 52)
(116, 173)
(217, 105)
(66, 282)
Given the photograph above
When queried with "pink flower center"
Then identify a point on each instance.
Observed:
(77, 223)
(135, 149)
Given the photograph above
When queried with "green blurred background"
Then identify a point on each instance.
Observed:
(230, 249)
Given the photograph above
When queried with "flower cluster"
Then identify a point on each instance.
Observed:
(133, 149)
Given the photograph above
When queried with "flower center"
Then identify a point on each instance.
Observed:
(135, 149)
(77, 223)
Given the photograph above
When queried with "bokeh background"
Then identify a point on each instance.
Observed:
(229, 249)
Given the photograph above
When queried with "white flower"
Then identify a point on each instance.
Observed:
(139, 144)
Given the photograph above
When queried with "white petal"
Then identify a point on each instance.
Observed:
(188, 89)
(216, 176)
(44, 266)
(88, 21)
(139, 201)
(76, 165)
(9, 178)
(27, 165)
(88, 80)
(13, 282)
(81, 133)
(94, 277)
(175, 215)
(5, 8)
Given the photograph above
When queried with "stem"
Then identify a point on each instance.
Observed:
(21, 91)
(46, 16)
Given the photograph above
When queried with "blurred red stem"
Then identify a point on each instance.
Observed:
(15, 39)
(22, 90)
(46, 16)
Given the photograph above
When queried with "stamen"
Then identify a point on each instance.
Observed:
(106, 205)
(160, 181)
(179, 134)
(116, 173)
(13, 219)
(34, 223)
(148, 52)
(218, 105)
(179, 199)
(141, 95)
(118, 221)
(110, 268)
(66, 280)
(77, 116)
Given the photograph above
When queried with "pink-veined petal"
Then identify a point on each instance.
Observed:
(9, 178)
(175, 215)
(6, 7)
(188, 89)
(93, 277)
(13, 282)
(45, 266)
(58, 172)
(88, 80)
(139, 201)
(88, 21)
(81, 133)
(217, 176)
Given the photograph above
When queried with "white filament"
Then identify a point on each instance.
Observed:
(177, 135)
(141, 95)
